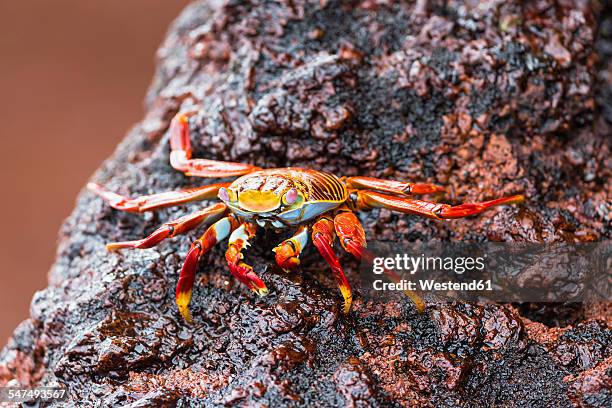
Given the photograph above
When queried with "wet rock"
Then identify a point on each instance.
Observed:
(354, 383)
(487, 98)
(592, 388)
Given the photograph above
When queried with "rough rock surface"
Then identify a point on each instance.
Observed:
(486, 98)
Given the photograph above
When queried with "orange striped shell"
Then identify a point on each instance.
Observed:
(320, 192)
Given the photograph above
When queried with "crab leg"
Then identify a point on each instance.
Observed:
(352, 238)
(173, 228)
(323, 239)
(288, 252)
(215, 233)
(390, 186)
(239, 241)
(180, 156)
(370, 199)
(155, 201)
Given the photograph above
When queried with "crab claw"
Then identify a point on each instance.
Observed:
(239, 240)
(244, 273)
(286, 256)
(288, 252)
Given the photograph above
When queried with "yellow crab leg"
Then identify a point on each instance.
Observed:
(391, 186)
(371, 199)
(173, 228)
(215, 233)
(352, 238)
(323, 239)
(180, 155)
(155, 201)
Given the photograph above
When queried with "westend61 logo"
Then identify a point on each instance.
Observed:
(405, 263)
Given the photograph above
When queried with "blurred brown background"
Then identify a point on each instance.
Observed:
(73, 75)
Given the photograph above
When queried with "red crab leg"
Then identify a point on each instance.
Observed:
(173, 228)
(370, 199)
(352, 238)
(323, 239)
(288, 252)
(239, 241)
(215, 233)
(180, 155)
(390, 186)
(155, 201)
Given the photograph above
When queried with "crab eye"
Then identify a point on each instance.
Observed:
(290, 196)
(224, 194)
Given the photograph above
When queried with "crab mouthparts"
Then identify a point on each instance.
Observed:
(270, 222)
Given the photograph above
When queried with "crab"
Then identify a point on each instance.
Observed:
(318, 206)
